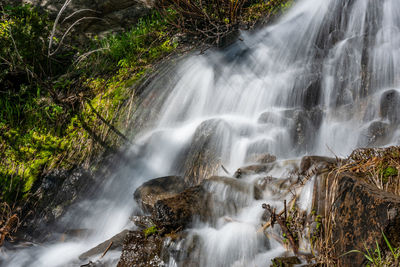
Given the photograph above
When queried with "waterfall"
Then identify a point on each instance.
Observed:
(322, 80)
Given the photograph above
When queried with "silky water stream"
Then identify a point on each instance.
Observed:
(323, 79)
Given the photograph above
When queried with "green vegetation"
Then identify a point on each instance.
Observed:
(51, 115)
(214, 20)
(63, 109)
(150, 231)
(380, 167)
(377, 257)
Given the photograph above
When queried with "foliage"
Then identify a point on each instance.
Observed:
(50, 120)
(150, 231)
(148, 40)
(61, 110)
(267, 9)
(213, 20)
(377, 258)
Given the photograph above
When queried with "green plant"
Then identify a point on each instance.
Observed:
(375, 256)
(150, 231)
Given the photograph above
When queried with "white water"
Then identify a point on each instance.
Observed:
(317, 75)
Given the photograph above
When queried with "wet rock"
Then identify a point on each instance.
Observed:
(311, 94)
(361, 213)
(179, 211)
(253, 169)
(315, 163)
(265, 158)
(141, 251)
(285, 261)
(235, 185)
(142, 221)
(53, 194)
(106, 16)
(305, 126)
(184, 248)
(375, 135)
(273, 117)
(390, 106)
(115, 241)
(156, 189)
(201, 160)
(274, 185)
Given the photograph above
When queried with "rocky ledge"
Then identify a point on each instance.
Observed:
(348, 212)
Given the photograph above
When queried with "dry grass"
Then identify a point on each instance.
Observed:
(9, 222)
(377, 166)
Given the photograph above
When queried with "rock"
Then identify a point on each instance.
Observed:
(234, 185)
(285, 261)
(156, 189)
(253, 169)
(276, 186)
(266, 158)
(201, 160)
(115, 241)
(142, 221)
(311, 94)
(184, 248)
(361, 212)
(106, 16)
(141, 251)
(375, 135)
(262, 158)
(390, 106)
(53, 194)
(180, 210)
(305, 126)
(315, 163)
(273, 117)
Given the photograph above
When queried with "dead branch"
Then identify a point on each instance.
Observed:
(283, 224)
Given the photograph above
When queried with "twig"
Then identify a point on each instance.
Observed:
(105, 252)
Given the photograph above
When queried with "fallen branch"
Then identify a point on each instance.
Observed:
(107, 249)
(282, 223)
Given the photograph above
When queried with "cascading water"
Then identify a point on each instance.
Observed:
(325, 78)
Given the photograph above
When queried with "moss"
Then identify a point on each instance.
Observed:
(37, 134)
(150, 231)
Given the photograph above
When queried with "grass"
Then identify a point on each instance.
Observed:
(377, 257)
(378, 166)
(39, 133)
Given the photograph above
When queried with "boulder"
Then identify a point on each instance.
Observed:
(179, 211)
(141, 251)
(376, 134)
(253, 169)
(273, 117)
(265, 158)
(390, 106)
(359, 212)
(305, 126)
(97, 17)
(285, 261)
(234, 186)
(115, 241)
(142, 222)
(54, 193)
(156, 189)
(201, 160)
(315, 163)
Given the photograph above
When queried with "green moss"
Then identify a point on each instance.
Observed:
(37, 134)
(150, 231)
(388, 172)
